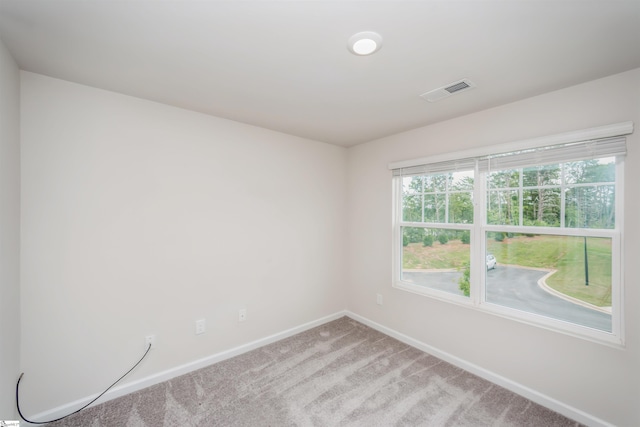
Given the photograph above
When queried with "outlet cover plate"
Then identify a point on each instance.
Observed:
(150, 339)
(200, 326)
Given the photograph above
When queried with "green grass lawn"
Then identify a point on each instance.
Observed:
(564, 254)
(453, 254)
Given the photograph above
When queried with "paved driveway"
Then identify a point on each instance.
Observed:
(518, 288)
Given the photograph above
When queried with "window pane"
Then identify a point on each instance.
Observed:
(411, 184)
(461, 208)
(503, 207)
(440, 198)
(412, 208)
(541, 207)
(461, 181)
(504, 179)
(434, 207)
(562, 277)
(436, 258)
(591, 171)
(590, 207)
(539, 176)
(434, 183)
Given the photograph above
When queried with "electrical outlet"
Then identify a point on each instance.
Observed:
(379, 299)
(200, 326)
(242, 315)
(150, 340)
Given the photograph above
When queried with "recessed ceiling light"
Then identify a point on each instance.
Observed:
(365, 43)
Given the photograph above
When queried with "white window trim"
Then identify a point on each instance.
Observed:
(475, 301)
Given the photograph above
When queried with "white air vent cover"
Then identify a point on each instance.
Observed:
(448, 90)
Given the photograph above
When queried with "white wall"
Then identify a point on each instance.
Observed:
(141, 218)
(597, 379)
(9, 232)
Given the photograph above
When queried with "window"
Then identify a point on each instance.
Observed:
(437, 207)
(531, 231)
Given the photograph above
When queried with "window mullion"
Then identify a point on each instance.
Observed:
(617, 292)
(521, 196)
(446, 200)
(563, 195)
(478, 244)
(422, 199)
(397, 217)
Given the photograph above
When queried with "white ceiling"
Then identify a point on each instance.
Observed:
(284, 65)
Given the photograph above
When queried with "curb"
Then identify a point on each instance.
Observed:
(542, 282)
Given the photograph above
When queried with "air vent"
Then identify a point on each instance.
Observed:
(457, 87)
(448, 90)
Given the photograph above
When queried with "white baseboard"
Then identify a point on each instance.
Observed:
(510, 385)
(154, 379)
(533, 395)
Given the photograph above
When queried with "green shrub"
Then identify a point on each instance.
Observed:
(499, 236)
(428, 240)
(443, 239)
(413, 234)
(464, 282)
(405, 241)
(466, 238)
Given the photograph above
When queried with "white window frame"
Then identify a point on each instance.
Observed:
(479, 229)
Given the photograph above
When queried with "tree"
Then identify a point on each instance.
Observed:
(503, 201)
(541, 195)
(460, 201)
(435, 187)
(590, 199)
(460, 208)
(445, 197)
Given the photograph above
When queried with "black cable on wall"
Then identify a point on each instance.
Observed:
(85, 406)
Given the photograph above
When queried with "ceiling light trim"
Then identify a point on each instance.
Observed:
(365, 43)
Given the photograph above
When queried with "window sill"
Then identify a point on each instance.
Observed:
(577, 331)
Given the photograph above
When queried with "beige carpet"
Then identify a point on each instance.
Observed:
(342, 373)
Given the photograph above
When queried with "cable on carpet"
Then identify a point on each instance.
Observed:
(85, 406)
